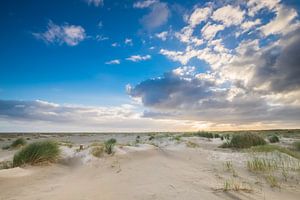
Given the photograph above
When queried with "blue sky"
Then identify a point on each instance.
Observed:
(169, 63)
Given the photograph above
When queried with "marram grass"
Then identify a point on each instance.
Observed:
(37, 152)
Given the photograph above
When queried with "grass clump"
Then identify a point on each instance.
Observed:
(261, 165)
(109, 145)
(6, 164)
(273, 139)
(191, 144)
(37, 152)
(97, 151)
(272, 181)
(5, 147)
(234, 185)
(297, 145)
(244, 140)
(18, 143)
(272, 148)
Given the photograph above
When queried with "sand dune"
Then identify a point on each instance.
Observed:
(147, 172)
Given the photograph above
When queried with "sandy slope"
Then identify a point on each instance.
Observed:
(149, 174)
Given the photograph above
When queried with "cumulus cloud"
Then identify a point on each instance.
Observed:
(96, 3)
(71, 35)
(282, 23)
(254, 6)
(229, 15)
(209, 31)
(253, 80)
(185, 94)
(113, 62)
(158, 16)
(199, 15)
(138, 58)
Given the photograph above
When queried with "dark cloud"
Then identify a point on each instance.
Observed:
(172, 91)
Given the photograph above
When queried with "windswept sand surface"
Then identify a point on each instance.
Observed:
(144, 172)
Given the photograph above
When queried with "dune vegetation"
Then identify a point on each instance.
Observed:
(109, 145)
(36, 153)
(244, 140)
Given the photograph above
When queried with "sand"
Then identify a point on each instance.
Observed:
(141, 172)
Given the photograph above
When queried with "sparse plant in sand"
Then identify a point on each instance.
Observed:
(244, 140)
(5, 147)
(228, 166)
(235, 185)
(192, 144)
(261, 165)
(273, 148)
(97, 151)
(272, 181)
(18, 143)
(37, 152)
(109, 145)
(6, 164)
(273, 139)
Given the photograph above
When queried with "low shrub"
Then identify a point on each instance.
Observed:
(109, 145)
(5, 147)
(18, 143)
(273, 139)
(244, 140)
(297, 145)
(37, 152)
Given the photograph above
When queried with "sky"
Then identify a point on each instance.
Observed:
(149, 65)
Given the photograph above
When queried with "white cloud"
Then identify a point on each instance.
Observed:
(115, 44)
(199, 15)
(163, 35)
(113, 62)
(282, 23)
(250, 24)
(256, 5)
(157, 17)
(95, 2)
(138, 58)
(186, 36)
(101, 38)
(71, 35)
(229, 15)
(209, 31)
(128, 41)
(144, 4)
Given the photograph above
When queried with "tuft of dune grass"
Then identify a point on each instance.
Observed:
(109, 145)
(244, 140)
(271, 148)
(18, 143)
(37, 152)
(297, 145)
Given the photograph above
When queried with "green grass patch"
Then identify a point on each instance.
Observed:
(244, 140)
(37, 152)
(273, 139)
(18, 143)
(109, 145)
